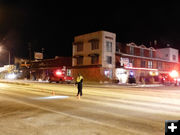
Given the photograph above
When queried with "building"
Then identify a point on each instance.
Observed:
(94, 55)
(145, 64)
(98, 57)
(41, 69)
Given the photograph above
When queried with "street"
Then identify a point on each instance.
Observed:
(53, 109)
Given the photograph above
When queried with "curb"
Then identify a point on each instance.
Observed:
(17, 83)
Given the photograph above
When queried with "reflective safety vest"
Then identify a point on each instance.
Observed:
(79, 78)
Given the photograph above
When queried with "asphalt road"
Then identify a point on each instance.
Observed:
(53, 109)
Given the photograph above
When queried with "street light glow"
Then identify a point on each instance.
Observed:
(11, 76)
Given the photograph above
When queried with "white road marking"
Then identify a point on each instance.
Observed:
(52, 97)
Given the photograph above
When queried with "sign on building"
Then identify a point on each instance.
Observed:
(125, 62)
(38, 55)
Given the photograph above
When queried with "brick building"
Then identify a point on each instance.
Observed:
(98, 57)
(40, 69)
(146, 64)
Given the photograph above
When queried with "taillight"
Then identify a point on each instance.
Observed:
(58, 73)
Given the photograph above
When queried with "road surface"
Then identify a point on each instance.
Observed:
(53, 109)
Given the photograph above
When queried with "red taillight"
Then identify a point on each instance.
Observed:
(58, 73)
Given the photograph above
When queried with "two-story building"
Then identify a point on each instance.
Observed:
(145, 64)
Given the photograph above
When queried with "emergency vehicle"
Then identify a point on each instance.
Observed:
(60, 75)
(170, 78)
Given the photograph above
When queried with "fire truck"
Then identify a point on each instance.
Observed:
(60, 75)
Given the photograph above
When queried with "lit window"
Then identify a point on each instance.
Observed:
(68, 72)
(131, 61)
(108, 73)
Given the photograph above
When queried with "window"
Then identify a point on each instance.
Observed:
(94, 45)
(143, 63)
(132, 62)
(68, 72)
(109, 59)
(174, 57)
(142, 52)
(150, 64)
(108, 46)
(79, 47)
(94, 59)
(131, 50)
(79, 60)
(117, 48)
(159, 65)
(108, 73)
(150, 53)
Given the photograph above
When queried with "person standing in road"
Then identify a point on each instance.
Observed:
(79, 82)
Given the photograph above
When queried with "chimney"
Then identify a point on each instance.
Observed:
(155, 43)
(150, 43)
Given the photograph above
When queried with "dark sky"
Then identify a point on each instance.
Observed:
(52, 25)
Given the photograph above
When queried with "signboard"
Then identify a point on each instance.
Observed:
(122, 75)
(38, 55)
(125, 62)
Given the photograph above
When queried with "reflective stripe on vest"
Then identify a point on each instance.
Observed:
(79, 78)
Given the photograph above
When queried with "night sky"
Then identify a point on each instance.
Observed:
(52, 25)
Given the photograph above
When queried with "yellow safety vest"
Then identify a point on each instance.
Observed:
(79, 78)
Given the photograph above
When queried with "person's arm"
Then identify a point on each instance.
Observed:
(76, 83)
(81, 80)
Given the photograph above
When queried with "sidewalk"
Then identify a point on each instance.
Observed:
(106, 85)
(19, 82)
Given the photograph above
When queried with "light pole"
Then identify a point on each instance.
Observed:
(9, 57)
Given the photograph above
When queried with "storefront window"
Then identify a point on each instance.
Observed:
(108, 73)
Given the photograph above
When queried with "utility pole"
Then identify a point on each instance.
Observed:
(29, 47)
(9, 57)
(43, 52)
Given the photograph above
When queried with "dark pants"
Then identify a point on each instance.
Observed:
(79, 89)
